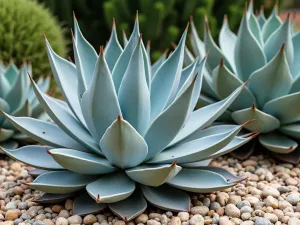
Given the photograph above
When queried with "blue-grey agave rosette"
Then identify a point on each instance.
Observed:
(127, 133)
(18, 99)
(267, 52)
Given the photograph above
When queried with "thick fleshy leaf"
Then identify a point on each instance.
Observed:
(188, 57)
(261, 18)
(11, 73)
(86, 54)
(65, 120)
(36, 172)
(111, 188)
(125, 39)
(281, 108)
(248, 55)
(23, 138)
(197, 164)
(292, 130)
(134, 96)
(34, 155)
(295, 85)
(113, 48)
(199, 181)
(122, 63)
(281, 36)
(10, 144)
(169, 122)
(158, 63)
(271, 81)
(61, 182)
(5, 134)
(166, 197)
(187, 72)
(84, 205)
(293, 157)
(227, 40)
(17, 95)
(122, 145)
(65, 76)
(215, 53)
(53, 198)
(153, 175)
(98, 114)
(263, 122)
(166, 80)
(5, 108)
(295, 69)
(196, 150)
(225, 82)
(81, 162)
(130, 207)
(5, 87)
(272, 24)
(278, 143)
(197, 45)
(245, 151)
(205, 116)
(255, 28)
(44, 132)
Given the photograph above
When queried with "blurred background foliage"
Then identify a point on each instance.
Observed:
(161, 21)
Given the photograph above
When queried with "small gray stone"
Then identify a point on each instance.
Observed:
(215, 205)
(39, 223)
(293, 198)
(196, 220)
(246, 209)
(10, 205)
(271, 217)
(262, 221)
(17, 221)
(243, 203)
(22, 205)
(283, 189)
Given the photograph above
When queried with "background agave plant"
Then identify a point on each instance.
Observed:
(128, 132)
(18, 99)
(267, 52)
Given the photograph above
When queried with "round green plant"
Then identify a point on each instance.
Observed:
(21, 28)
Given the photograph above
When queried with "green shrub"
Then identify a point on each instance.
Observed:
(22, 23)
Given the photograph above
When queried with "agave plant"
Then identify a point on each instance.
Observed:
(126, 136)
(18, 99)
(267, 52)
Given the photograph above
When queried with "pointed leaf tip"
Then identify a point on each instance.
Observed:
(262, 8)
(166, 52)
(222, 62)
(140, 38)
(225, 19)
(74, 16)
(137, 15)
(191, 19)
(247, 122)
(44, 35)
(72, 34)
(114, 22)
(98, 198)
(174, 163)
(282, 47)
(70, 59)
(246, 82)
(187, 26)
(253, 106)
(101, 50)
(288, 16)
(48, 151)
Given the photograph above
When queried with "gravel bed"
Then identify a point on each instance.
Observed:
(270, 195)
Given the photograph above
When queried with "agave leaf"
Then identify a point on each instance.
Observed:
(125, 39)
(44, 132)
(187, 72)
(84, 205)
(65, 76)
(170, 121)
(292, 130)
(34, 155)
(200, 181)
(295, 85)
(225, 82)
(97, 113)
(229, 177)
(196, 150)
(134, 96)
(261, 19)
(111, 188)
(5, 134)
(295, 69)
(4, 106)
(293, 157)
(197, 164)
(17, 95)
(36, 172)
(281, 108)
(207, 86)
(272, 23)
(122, 145)
(86, 54)
(65, 120)
(23, 138)
(81, 162)
(263, 122)
(197, 45)
(166, 80)
(153, 175)
(227, 40)
(113, 48)
(205, 116)
(130, 207)
(277, 142)
(53, 198)
(122, 63)
(147, 66)
(246, 48)
(271, 81)
(61, 182)
(255, 28)
(281, 36)
(188, 57)
(5, 87)
(166, 197)
(245, 151)
(11, 74)
(158, 63)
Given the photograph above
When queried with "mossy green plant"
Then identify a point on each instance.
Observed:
(21, 27)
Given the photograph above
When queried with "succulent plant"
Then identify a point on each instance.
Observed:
(266, 52)
(127, 132)
(18, 99)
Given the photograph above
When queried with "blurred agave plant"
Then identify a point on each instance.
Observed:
(126, 136)
(266, 52)
(18, 99)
